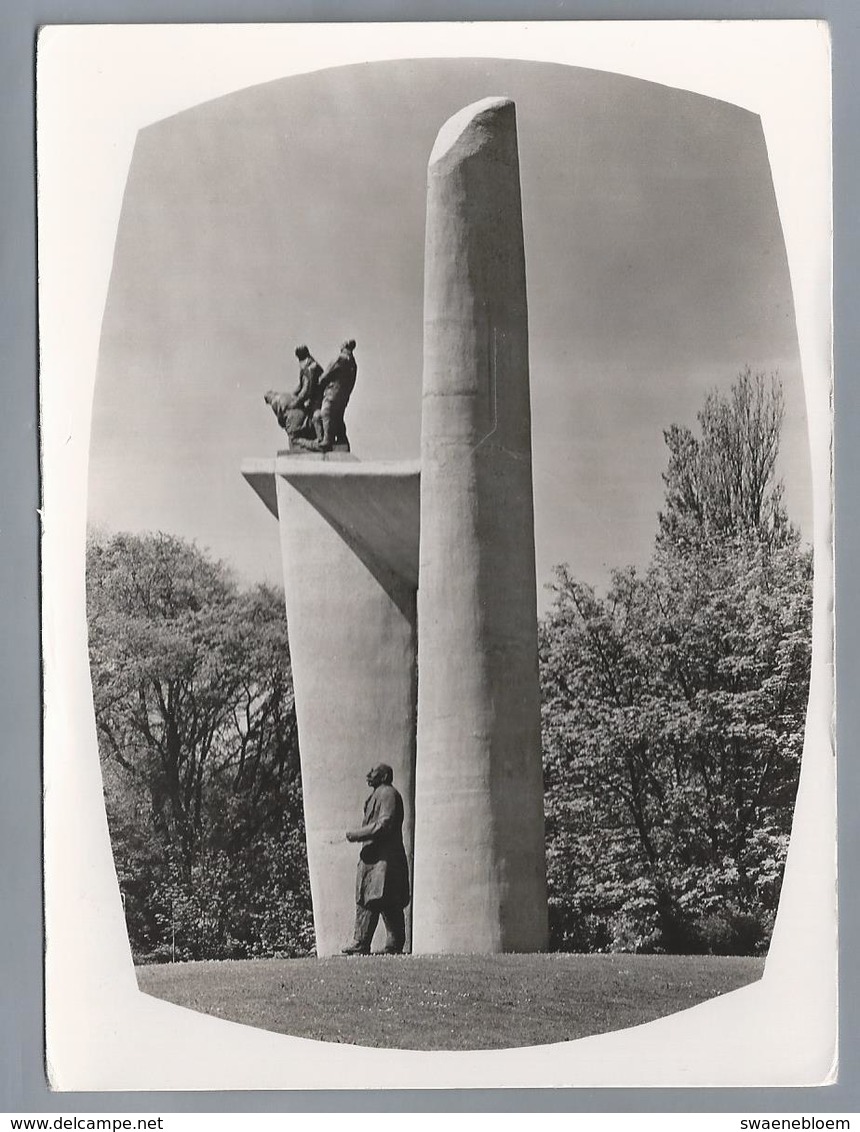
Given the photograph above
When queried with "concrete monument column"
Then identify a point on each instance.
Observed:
(479, 874)
(353, 557)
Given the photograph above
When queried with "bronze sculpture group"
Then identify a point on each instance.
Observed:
(312, 415)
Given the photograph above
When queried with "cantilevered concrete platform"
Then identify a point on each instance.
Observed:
(374, 506)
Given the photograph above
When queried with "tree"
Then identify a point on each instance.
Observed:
(196, 722)
(673, 708)
(723, 484)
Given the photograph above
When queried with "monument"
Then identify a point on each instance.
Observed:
(410, 590)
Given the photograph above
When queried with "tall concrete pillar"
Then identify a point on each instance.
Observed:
(480, 875)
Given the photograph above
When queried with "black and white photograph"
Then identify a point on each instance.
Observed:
(437, 555)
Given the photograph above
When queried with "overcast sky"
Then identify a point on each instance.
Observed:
(294, 212)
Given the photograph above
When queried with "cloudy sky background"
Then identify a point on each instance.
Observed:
(294, 212)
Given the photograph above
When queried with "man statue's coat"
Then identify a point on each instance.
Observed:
(382, 880)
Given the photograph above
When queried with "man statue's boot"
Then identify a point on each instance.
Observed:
(365, 926)
(395, 927)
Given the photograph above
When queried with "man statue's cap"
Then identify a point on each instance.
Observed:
(383, 771)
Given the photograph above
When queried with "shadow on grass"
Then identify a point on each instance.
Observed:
(453, 1002)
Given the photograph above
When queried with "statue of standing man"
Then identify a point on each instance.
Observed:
(382, 879)
(337, 384)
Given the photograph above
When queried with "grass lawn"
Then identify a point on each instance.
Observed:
(449, 1002)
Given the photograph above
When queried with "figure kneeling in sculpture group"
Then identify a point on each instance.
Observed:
(382, 880)
(295, 411)
(337, 384)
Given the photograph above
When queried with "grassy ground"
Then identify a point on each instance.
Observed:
(451, 1002)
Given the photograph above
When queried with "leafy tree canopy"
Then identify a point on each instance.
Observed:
(673, 707)
(196, 722)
